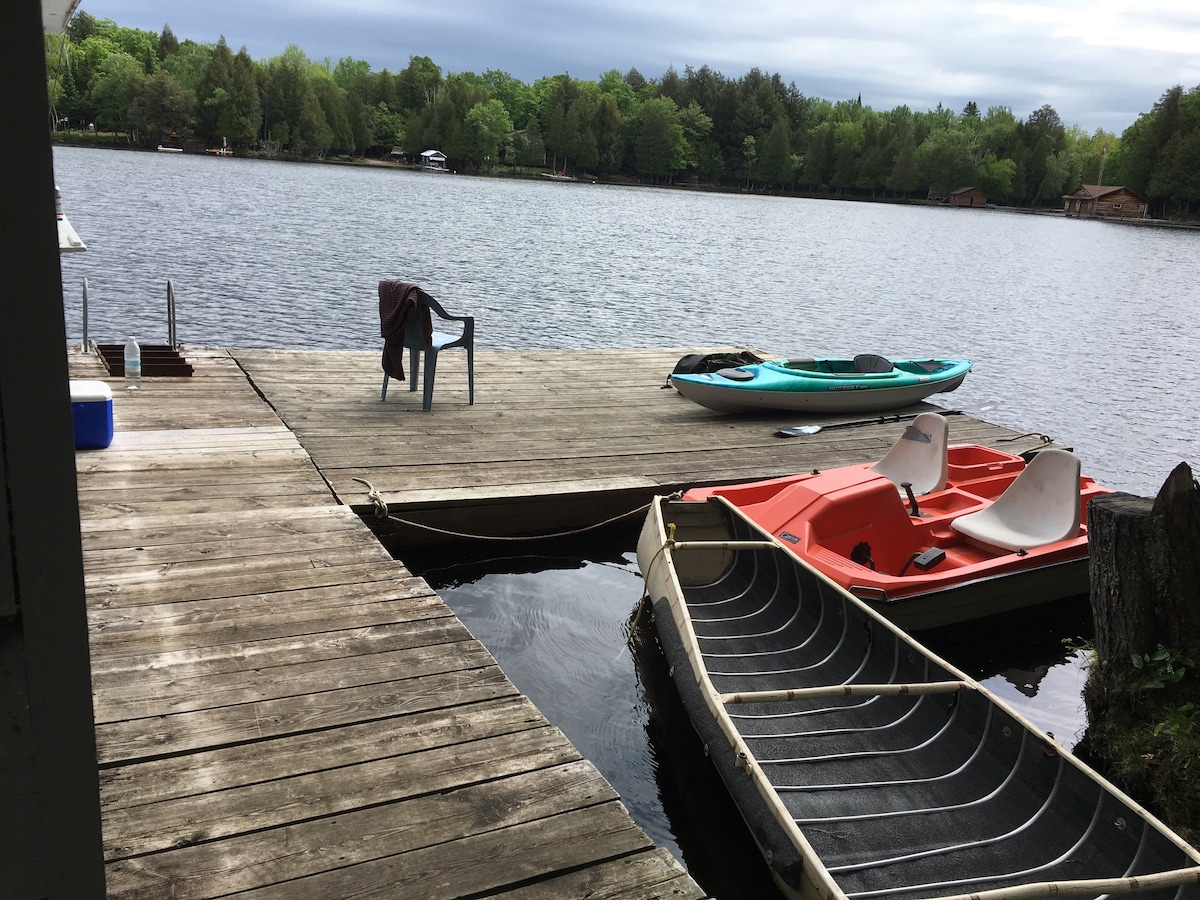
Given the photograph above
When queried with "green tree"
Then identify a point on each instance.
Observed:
(82, 26)
(387, 127)
(530, 151)
(293, 116)
(215, 91)
(848, 145)
(140, 44)
(945, 161)
(333, 102)
(634, 79)
(116, 81)
(444, 123)
(515, 94)
(608, 126)
(580, 129)
(489, 125)
(995, 178)
(905, 175)
(418, 84)
(749, 156)
(159, 105)
(613, 84)
(775, 163)
(697, 126)
(60, 81)
(189, 63)
(228, 97)
(1061, 174)
(168, 44)
(819, 160)
(660, 145)
(561, 134)
(1176, 176)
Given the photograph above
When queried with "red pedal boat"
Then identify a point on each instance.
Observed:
(934, 534)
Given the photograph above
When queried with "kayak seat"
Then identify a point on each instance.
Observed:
(1040, 507)
(920, 456)
(872, 363)
(736, 374)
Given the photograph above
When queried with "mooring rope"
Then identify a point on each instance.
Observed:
(382, 513)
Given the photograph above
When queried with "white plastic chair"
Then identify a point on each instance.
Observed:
(919, 457)
(1040, 507)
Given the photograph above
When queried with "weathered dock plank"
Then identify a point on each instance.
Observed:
(338, 847)
(281, 708)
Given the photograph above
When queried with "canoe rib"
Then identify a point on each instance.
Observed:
(849, 690)
(864, 765)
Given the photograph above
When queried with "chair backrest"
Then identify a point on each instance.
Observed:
(920, 456)
(872, 362)
(1040, 507)
(418, 327)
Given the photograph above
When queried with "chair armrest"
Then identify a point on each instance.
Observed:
(467, 338)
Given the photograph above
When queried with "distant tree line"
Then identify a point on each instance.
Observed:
(753, 132)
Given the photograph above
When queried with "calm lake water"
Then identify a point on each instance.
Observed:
(1084, 331)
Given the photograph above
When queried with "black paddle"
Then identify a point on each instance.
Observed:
(800, 430)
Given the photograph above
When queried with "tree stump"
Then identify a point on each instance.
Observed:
(1145, 573)
(1144, 721)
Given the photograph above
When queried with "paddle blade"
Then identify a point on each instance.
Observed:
(798, 430)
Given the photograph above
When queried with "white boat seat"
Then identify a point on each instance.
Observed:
(1041, 506)
(919, 457)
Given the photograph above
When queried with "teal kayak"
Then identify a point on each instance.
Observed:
(866, 383)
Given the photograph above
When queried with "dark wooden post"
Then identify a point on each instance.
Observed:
(1145, 573)
(50, 835)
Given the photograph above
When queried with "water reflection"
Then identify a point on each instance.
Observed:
(561, 617)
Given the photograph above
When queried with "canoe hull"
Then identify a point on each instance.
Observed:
(863, 764)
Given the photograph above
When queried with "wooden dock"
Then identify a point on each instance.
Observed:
(282, 709)
(555, 440)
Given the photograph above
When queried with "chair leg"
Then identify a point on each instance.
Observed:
(430, 369)
(414, 363)
(383, 390)
(471, 375)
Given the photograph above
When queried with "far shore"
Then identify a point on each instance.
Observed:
(112, 141)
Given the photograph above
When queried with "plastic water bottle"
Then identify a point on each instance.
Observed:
(133, 364)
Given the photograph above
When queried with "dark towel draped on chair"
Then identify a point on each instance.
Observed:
(397, 302)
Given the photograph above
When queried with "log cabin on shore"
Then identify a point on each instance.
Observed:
(967, 196)
(1104, 201)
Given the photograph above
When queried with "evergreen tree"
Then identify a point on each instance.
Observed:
(905, 176)
(660, 142)
(168, 44)
(775, 162)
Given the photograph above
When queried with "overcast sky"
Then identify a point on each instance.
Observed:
(1099, 63)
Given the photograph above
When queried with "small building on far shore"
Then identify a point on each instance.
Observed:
(966, 196)
(1104, 201)
(434, 160)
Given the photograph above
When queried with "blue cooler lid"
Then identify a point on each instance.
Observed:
(89, 391)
